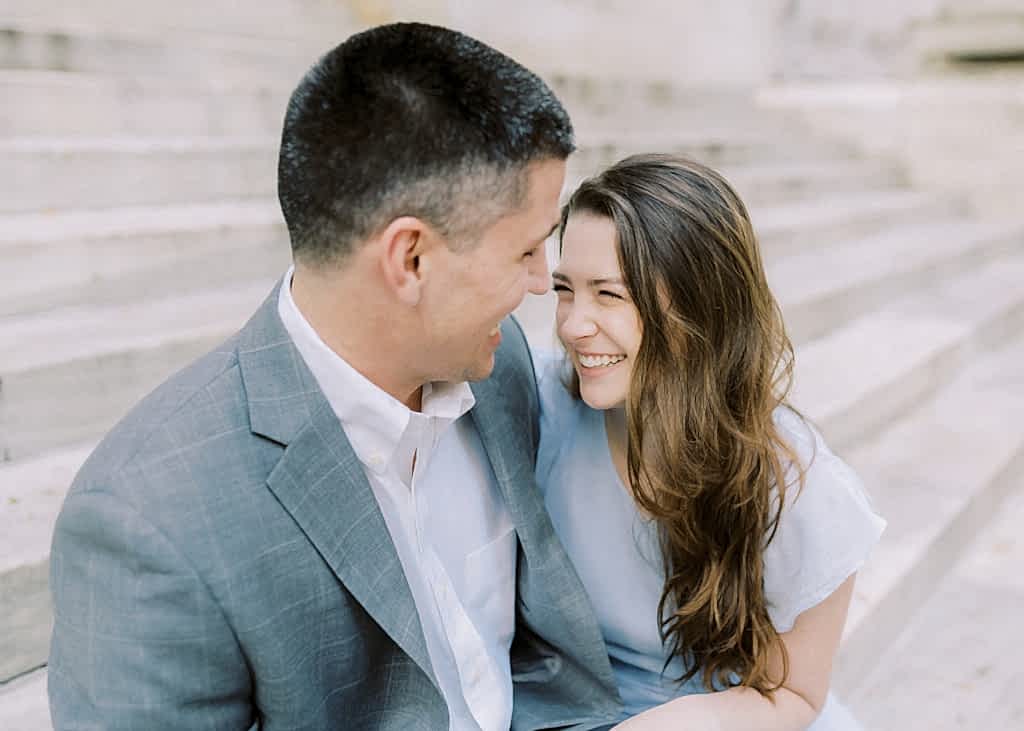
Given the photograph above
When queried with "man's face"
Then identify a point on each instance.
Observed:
(473, 291)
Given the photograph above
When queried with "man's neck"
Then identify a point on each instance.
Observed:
(363, 336)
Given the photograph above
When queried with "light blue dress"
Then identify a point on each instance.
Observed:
(823, 537)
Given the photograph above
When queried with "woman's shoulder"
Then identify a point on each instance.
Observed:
(823, 471)
(827, 525)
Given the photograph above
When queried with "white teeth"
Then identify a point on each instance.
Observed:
(597, 361)
(495, 331)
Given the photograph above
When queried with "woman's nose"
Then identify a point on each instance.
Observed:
(577, 323)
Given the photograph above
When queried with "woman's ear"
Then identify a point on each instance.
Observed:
(402, 245)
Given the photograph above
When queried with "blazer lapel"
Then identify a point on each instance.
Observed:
(508, 448)
(321, 483)
(568, 615)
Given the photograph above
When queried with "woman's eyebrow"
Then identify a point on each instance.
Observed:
(591, 282)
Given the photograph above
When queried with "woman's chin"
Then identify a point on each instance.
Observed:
(601, 399)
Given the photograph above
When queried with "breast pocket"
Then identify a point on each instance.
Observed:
(491, 588)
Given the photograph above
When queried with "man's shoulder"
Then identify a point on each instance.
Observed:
(190, 408)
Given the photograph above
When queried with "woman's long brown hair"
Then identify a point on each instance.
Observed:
(705, 459)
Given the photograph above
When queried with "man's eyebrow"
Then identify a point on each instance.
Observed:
(546, 236)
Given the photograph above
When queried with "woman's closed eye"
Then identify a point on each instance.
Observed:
(609, 293)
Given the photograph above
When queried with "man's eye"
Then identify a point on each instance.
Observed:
(560, 288)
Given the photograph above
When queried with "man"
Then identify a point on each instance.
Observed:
(321, 525)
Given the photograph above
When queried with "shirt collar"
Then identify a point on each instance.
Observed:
(374, 421)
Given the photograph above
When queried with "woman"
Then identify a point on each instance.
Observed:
(716, 534)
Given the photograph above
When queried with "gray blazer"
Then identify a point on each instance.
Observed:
(220, 562)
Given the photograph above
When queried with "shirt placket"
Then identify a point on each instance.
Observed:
(467, 647)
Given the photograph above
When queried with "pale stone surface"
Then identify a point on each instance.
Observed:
(912, 346)
(24, 705)
(61, 174)
(626, 39)
(311, 21)
(957, 667)
(826, 286)
(60, 45)
(937, 476)
(94, 105)
(826, 219)
(31, 493)
(109, 256)
(957, 133)
(71, 373)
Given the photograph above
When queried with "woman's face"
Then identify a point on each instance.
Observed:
(597, 321)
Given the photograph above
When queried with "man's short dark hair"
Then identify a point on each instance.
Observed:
(411, 119)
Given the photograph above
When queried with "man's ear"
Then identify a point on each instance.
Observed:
(403, 244)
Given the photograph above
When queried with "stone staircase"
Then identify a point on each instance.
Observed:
(138, 227)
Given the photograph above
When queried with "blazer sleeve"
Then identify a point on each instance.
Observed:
(138, 640)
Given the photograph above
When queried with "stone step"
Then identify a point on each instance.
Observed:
(987, 36)
(126, 254)
(768, 182)
(938, 476)
(24, 705)
(283, 19)
(956, 665)
(821, 289)
(69, 374)
(953, 92)
(777, 182)
(858, 379)
(814, 222)
(31, 494)
(727, 142)
(47, 47)
(980, 109)
(969, 143)
(62, 173)
(71, 104)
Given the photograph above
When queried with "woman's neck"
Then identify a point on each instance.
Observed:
(618, 439)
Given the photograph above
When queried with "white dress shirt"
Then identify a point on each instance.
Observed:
(448, 521)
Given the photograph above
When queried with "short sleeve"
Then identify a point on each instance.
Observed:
(826, 530)
(558, 410)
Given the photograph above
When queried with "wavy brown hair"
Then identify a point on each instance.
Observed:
(705, 459)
